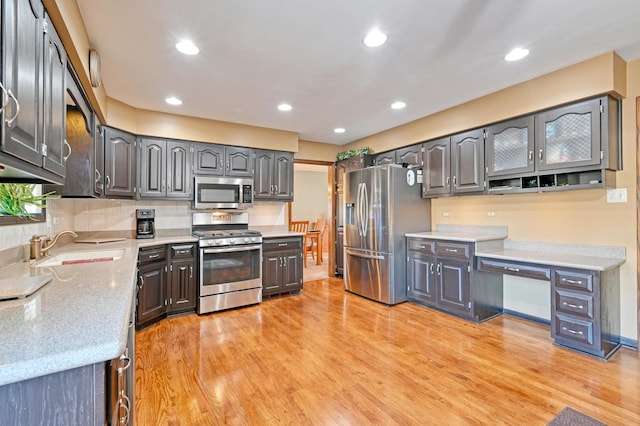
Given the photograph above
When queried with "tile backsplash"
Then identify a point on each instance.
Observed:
(87, 215)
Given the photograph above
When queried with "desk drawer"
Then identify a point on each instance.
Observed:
(421, 245)
(182, 251)
(517, 269)
(154, 254)
(574, 303)
(574, 329)
(573, 280)
(461, 251)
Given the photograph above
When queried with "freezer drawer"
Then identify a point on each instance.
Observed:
(369, 274)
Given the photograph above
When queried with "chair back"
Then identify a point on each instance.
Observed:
(321, 225)
(299, 226)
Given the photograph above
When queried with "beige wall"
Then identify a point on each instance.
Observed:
(311, 195)
(317, 151)
(581, 216)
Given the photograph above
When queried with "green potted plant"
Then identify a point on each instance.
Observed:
(353, 152)
(15, 197)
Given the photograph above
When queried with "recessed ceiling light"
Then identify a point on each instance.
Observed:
(187, 47)
(173, 101)
(285, 107)
(375, 38)
(339, 130)
(398, 105)
(516, 54)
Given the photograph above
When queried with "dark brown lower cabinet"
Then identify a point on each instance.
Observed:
(281, 265)
(152, 284)
(440, 274)
(182, 284)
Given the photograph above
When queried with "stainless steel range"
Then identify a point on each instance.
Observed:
(230, 260)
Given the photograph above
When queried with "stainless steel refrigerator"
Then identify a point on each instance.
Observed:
(382, 203)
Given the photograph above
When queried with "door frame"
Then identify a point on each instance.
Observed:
(638, 213)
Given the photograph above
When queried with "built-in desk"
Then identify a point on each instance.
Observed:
(585, 288)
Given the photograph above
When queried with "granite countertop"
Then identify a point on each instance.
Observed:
(79, 318)
(596, 258)
(276, 231)
(457, 236)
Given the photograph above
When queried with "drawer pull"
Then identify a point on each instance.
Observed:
(566, 280)
(282, 244)
(451, 250)
(153, 256)
(422, 246)
(580, 333)
(570, 305)
(507, 268)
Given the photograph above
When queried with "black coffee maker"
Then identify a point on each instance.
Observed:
(145, 228)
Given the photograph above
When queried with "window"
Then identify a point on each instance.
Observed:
(17, 197)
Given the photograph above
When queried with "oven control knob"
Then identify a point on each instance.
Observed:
(247, 240)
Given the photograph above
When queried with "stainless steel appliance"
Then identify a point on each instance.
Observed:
(223, 193)
(382, 203)
(145, 223)
(230, 260)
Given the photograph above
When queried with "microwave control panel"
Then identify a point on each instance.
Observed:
(246, 194)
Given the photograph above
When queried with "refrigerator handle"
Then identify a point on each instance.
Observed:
(364, 256)
(356, 210)
(365, 210)
(359, 209)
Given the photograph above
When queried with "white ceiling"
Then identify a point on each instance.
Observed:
(255, 54)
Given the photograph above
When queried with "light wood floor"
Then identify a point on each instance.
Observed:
(327, 357)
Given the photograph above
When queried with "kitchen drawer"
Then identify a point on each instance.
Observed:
(153, 254)
(574, 329)
(574, 303)
(573, 280)
(421, 245)
(459, 251)
(282, 244)
(182, 251)
(517, 269)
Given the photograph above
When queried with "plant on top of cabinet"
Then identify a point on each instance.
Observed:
(568, 147)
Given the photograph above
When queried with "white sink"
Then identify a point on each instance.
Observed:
(74, 257)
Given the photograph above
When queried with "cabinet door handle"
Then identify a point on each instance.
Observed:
(108, 181)
(141, 278)
(69, 154)
(98, 176)
(431, 268)
(276, 187)
(125, 363)
(438, 269)
(190, 271)
(530, 156)
(580, 333)
(10, 121)
(570, 305)
(447, 180)
(454, 180)
(567, 280)
(540, 155)
(507, 268)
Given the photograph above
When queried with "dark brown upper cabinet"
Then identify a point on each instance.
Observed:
(32, 139)
(410, 155)
(119, 163)
(164, 169)
(220, 160)
(510, 147)
(454, 165)
(273, 179)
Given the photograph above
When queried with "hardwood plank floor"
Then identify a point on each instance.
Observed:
(328, 357)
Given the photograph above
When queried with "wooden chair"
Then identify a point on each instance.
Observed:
(319, 229)
(301, 226)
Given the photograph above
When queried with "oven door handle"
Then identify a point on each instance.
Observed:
(229, 249)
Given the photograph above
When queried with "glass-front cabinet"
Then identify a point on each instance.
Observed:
(510, 147)
(569, 136)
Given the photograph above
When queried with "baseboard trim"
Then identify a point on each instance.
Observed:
(629, 343)
(526, 317)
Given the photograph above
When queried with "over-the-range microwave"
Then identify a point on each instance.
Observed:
(222, 193)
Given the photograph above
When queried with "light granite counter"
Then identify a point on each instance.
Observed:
(596, 258)
(457, 236)
(81, 317)
(276, 231)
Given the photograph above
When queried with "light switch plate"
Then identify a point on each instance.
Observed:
(618, 195)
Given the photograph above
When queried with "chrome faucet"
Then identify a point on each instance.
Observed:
(37, 247)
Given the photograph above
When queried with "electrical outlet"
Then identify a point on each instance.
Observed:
(491, 214)
(617, 195)
(445, 214)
